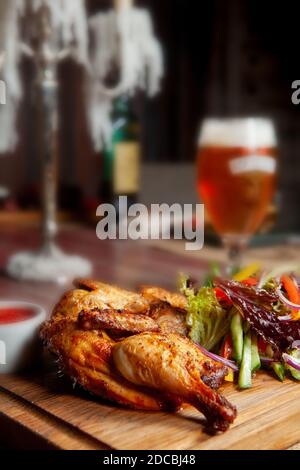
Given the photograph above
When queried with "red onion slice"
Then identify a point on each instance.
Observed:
(263, 279)
(286, 301)
(296, 344)
(294, 279)
(291, 361)
(277, 273)
(227, 362)
(285, 318)
(267, 360)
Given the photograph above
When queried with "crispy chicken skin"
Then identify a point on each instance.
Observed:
(173, 364)
(86, 357)
(168, 309)
(115, 297)
(109, 319)
(153, 369)
(152, 293)
(169, 319)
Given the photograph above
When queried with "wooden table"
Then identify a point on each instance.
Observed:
(126, 263)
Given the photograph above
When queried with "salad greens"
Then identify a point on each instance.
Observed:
(213, 272)
(208, 322)
(253, 319)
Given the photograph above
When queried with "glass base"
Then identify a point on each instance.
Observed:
(49, 264)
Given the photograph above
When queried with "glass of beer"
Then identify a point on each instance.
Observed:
(236, 177)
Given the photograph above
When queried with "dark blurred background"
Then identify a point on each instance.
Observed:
(222, 57)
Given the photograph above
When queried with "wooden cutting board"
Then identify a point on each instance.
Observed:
(46, 412)
(42, 412)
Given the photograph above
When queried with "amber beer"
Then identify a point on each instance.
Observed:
(237, 173)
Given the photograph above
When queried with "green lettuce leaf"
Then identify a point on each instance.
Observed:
(207, 321)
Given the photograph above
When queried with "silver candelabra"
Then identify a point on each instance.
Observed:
(48, 263)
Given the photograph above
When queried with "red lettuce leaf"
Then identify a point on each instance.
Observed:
(256, 306)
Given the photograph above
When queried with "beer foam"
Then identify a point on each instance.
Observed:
(237, 132)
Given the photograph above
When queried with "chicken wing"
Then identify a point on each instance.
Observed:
(117, 321)
(168, 309)
(115, 297)
(173, 364)
(152, 293)
(168, 318)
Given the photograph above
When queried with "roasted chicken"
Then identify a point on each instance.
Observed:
(131, 348)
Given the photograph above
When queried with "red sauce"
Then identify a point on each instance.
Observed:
(14, 315)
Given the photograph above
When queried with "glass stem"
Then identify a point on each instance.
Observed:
(235, 247)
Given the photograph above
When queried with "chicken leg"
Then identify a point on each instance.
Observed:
(173, 364)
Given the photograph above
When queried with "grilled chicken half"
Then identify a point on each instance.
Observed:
(86, 356)
(131, 348)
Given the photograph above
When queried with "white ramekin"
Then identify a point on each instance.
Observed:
(19, 341)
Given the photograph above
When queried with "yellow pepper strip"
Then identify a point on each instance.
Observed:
(230, 376)
(247, 272)
(296, 315)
